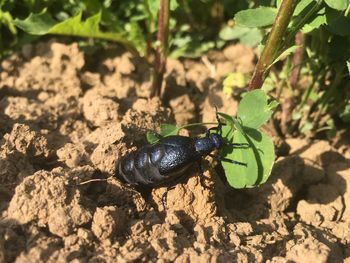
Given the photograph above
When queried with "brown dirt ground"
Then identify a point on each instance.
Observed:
(66, 118)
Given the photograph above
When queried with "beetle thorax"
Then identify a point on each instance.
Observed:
(216, 139)
(206, 145)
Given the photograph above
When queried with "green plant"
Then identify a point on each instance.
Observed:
(162, 46)
(313, 39)
(254, 110)
(193, 27)
(6, 28)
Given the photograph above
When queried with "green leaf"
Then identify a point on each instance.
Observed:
(229, 120)
(165, 130)
(258, 17)
(7, 20)
(231, 33)
(273, 105)
(234, 80)
(153, 7)
(303, 5)
(36, 24)
(168, 129)
(254, 109)
(252, 38)
(345, 114)
(269, 83)
(338, 4)
(284, 54)
(264, 151)
(239, 176)
(296, 115)
(173, 5)
(136, 36)
(232, 124)
(192, 50)
(238, 126)
(307, 127)
(336, 23)
(318, 21)
(259, 157)
(43, 23)
(151, 137)
(247, 36)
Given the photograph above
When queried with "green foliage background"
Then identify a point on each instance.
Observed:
(194, 25)
(325, 27)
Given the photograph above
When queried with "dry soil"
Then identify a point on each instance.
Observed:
(67, 117)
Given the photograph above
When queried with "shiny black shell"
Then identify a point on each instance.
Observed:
(160, 163)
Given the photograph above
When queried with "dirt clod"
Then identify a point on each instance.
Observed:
(46, 198)
(107, 222)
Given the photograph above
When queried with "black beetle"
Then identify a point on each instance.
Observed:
(164, 163)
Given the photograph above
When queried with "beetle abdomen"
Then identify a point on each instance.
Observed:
(137, 169)
(158, 164)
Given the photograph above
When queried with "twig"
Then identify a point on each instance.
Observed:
(162, 48)
(297, 60)
(289, 104)
(93, 180)
(273, 42)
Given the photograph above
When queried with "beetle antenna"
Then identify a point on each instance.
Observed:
(219, 128)
(93, 180)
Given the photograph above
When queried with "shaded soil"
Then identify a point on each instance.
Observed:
(66, 118)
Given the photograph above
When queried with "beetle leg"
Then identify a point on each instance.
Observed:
(200, 168)
(239, 145)
(217, 129)
(165, 196)
(210, 129)
(201, 174)
(220, 158)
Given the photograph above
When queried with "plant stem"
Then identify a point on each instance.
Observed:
(273, 42)
(297, 60)
(289, 102)
(162, 48)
